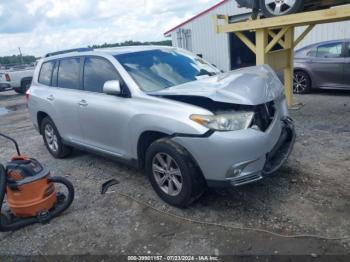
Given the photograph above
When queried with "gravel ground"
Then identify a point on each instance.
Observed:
(310, 194)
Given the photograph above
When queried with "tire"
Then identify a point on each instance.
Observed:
(190, 177)
(301, 82)
(54, 144)
(25, 85)
(270, 9)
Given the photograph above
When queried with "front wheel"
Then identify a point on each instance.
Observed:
(301, 83)
(173, 174)
(272, 8)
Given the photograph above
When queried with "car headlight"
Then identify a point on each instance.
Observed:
(225, 122)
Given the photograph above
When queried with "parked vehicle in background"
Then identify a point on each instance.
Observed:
(271, 8)
(4, 85)
(166, 110)
(18, 79)
(323, 65)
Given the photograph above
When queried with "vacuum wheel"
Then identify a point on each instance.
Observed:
(5, 218)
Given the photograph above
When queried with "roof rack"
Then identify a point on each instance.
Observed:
(84, 49)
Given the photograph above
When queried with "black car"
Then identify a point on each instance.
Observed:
(272, 8)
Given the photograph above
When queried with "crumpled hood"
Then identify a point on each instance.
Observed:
(248, 86)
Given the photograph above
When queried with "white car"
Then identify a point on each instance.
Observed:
(17, 79)
(4, 85)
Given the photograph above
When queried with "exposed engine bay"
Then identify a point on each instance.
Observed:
(263, 114)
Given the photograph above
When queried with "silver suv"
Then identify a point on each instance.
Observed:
(167, 111)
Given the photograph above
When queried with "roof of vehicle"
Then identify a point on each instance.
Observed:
(111, 51)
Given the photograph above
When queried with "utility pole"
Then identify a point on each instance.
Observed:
(20, 54)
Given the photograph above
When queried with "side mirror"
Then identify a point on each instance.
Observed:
(112, 87)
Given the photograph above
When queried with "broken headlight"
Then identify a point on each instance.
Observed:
(226, 121)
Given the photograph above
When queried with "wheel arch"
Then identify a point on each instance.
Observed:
(26, 79)
(148, 137)
(39, 117)
(301, 69)
(144, 141)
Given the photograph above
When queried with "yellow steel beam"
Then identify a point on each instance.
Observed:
(278, 37)
(273, 34)
(302, 36)
(246, 40)
(336, 14)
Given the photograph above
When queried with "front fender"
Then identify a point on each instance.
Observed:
(161, 123)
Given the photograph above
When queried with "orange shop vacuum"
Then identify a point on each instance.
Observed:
(30, 193)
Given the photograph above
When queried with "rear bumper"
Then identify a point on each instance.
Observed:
(4, 86)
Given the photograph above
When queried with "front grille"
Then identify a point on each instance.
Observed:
(264, 115)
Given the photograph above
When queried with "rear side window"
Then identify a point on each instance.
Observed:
(46, 73)
(54, 75)
(333, 50)
(68, 73)
(312, 53)
(97, 71)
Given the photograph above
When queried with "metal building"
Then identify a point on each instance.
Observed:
(226, 51)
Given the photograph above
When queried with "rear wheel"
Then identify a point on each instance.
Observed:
(272, 8)
(53, 140)
(25, 85)
(173, 174)
(301, 83)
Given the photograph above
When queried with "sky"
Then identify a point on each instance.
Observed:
(41, 26)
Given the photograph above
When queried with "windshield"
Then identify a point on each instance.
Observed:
(159, 69)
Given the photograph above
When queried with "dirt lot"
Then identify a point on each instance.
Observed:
(311, 194)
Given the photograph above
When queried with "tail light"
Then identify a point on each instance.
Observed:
(7, 77)
(27, 95)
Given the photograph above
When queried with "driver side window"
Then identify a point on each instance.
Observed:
(97, 71)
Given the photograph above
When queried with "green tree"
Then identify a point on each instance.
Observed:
(133, 43)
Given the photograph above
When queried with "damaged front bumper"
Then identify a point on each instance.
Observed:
(273, 161)
(242, 157)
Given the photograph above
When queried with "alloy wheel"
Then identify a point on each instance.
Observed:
(279, 7)
(167, 174)
(299, 83)
(51, 138)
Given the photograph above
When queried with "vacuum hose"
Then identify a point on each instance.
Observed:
(6, 226)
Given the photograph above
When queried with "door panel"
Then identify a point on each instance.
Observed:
(328, 67)
(66, 98)
(105, 121)
(66, 107)
(104, 117)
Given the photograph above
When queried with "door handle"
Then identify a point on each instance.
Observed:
(50, 98)
(83, 103)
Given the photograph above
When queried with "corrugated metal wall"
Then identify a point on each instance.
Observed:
(215, 47)
(333, 31)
